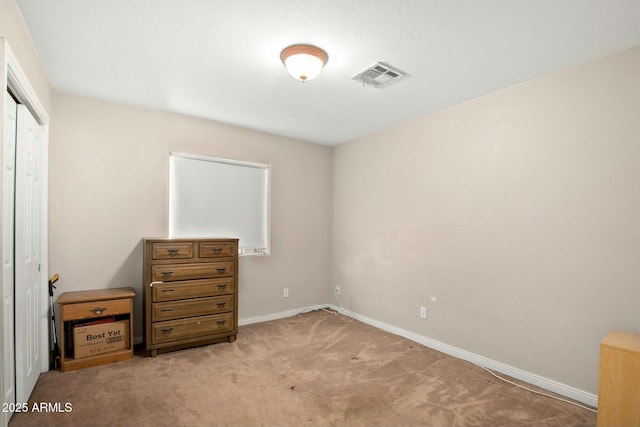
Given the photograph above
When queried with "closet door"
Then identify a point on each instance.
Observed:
(28, 288)
(8, 194)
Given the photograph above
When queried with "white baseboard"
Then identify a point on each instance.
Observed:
(280, 315)
(582, 396)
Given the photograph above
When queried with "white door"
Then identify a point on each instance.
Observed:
(28, 254)
(8, 194)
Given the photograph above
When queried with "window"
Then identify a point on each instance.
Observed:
(213, 197)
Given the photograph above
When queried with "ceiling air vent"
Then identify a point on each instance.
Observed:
(379, 75)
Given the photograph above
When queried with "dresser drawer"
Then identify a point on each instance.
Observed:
(169, 291)
(191, 308)
(89, 310)
(216, 249)
(167, 250)
(174, 330)
(164, 273)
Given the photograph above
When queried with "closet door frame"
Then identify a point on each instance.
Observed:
(14, 79)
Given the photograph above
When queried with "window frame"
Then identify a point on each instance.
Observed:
(227, 161)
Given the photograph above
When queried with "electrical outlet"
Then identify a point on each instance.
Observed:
(285, 293)
(337, 290)
(423, 312)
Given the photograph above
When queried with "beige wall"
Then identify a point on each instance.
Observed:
(109, 189)
(519, 211)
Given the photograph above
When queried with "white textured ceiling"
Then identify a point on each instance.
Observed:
(219, 59)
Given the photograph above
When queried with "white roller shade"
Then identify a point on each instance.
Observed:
(213, 197)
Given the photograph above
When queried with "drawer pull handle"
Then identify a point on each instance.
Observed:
(166, 309)
(98, 310)
(222, 286)
(221, 269)
(168, 290)
(221, 322)
(216, 250)
(166, 331)
(166, 274)
(173, 252)
(220, 304)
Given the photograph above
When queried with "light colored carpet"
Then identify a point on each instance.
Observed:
(313, 369)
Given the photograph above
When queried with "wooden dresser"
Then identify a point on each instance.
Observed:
(190, 292)
(619, 380)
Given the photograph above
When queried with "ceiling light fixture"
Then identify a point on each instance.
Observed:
(303, 61)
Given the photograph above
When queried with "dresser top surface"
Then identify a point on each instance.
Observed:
(623, 341)
(190, 239)
(75, 297)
